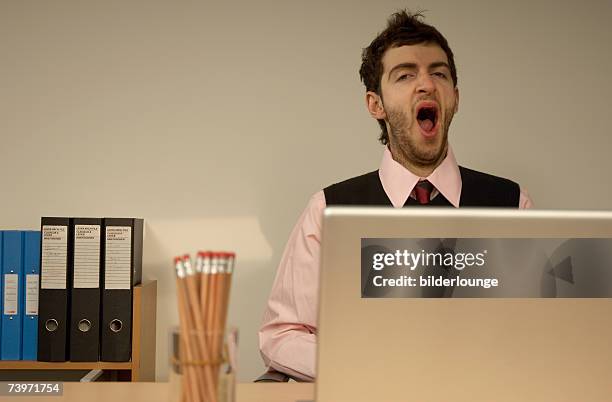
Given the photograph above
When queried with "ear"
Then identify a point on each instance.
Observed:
(456, 99)
(375, 105)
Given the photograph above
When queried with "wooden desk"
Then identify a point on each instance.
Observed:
(158, 392)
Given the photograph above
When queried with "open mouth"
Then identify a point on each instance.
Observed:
(427, 116)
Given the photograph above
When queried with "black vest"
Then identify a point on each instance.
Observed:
(477, 190)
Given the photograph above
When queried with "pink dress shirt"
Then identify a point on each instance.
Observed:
(288, 335)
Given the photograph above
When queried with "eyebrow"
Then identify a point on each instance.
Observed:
(413, 66)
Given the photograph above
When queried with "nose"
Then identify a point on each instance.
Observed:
(425, 84)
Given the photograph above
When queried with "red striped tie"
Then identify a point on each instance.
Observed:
(423, 191)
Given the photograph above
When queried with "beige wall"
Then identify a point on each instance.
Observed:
(215, 121)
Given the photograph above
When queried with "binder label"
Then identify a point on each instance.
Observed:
(86, 256)
(31, 304)
(118, 257)
(11, 294)
(54, 256)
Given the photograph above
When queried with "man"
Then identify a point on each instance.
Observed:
(411, 89)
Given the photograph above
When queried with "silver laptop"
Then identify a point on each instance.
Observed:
(542, 333)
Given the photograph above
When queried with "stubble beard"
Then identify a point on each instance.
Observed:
(405, 146)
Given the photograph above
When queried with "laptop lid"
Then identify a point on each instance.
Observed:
(539, 337)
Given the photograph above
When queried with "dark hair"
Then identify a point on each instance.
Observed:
(403, 28)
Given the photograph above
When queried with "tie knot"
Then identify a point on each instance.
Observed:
(423, 191)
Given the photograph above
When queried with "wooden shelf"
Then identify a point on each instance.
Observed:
(142, 365)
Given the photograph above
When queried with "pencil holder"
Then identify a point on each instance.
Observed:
(202, 366)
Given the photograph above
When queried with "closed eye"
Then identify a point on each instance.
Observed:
(439, 74)
(403, 77)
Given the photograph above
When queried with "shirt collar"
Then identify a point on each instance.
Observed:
(399, 182)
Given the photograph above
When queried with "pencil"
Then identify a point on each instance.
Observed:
(227, 281)
(189, 388)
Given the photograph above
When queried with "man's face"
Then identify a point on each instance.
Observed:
(419, 100)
